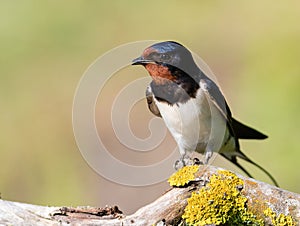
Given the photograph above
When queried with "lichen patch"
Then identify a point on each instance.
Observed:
(220, 202)
(183, 176)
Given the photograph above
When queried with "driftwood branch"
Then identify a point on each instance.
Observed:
(166, 210)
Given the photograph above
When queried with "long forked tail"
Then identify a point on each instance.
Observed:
(240, 154)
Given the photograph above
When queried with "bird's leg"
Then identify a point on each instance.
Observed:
(208, 155)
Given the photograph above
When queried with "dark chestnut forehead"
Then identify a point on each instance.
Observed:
(148, 51)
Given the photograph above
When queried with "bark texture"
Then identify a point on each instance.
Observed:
(166, 210)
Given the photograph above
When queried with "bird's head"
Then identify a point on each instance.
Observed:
(162, 59)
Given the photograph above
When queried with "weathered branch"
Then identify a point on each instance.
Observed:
(167, 209)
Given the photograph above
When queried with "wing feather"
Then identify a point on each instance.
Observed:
(236, 128)
(151, 103)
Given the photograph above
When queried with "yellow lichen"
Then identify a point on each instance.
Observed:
(280, 220)
(183, 176)
(220, 202)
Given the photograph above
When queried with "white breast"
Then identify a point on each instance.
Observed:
(189, 122)
(192, 125)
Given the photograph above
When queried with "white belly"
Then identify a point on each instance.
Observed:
(192, 126)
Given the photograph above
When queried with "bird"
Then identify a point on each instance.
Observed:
(193, 107)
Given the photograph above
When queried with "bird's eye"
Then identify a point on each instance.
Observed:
(152, 55)
(165, 57)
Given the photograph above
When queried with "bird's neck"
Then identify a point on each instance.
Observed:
(179, 89)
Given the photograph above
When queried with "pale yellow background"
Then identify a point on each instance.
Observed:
(45, 46)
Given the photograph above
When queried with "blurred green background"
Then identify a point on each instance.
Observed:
(45, 46)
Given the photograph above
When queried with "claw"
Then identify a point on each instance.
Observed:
(183, 161)
(179, 164)
(196, 161)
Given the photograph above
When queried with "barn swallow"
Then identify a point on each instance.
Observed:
(192, 106)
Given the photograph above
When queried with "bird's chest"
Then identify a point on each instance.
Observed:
(188, 121)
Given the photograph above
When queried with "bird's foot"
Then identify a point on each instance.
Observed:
(196, 161)
(178, 164)
(187, 161)
(183, 161)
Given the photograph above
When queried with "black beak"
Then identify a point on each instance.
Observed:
(141, 61)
